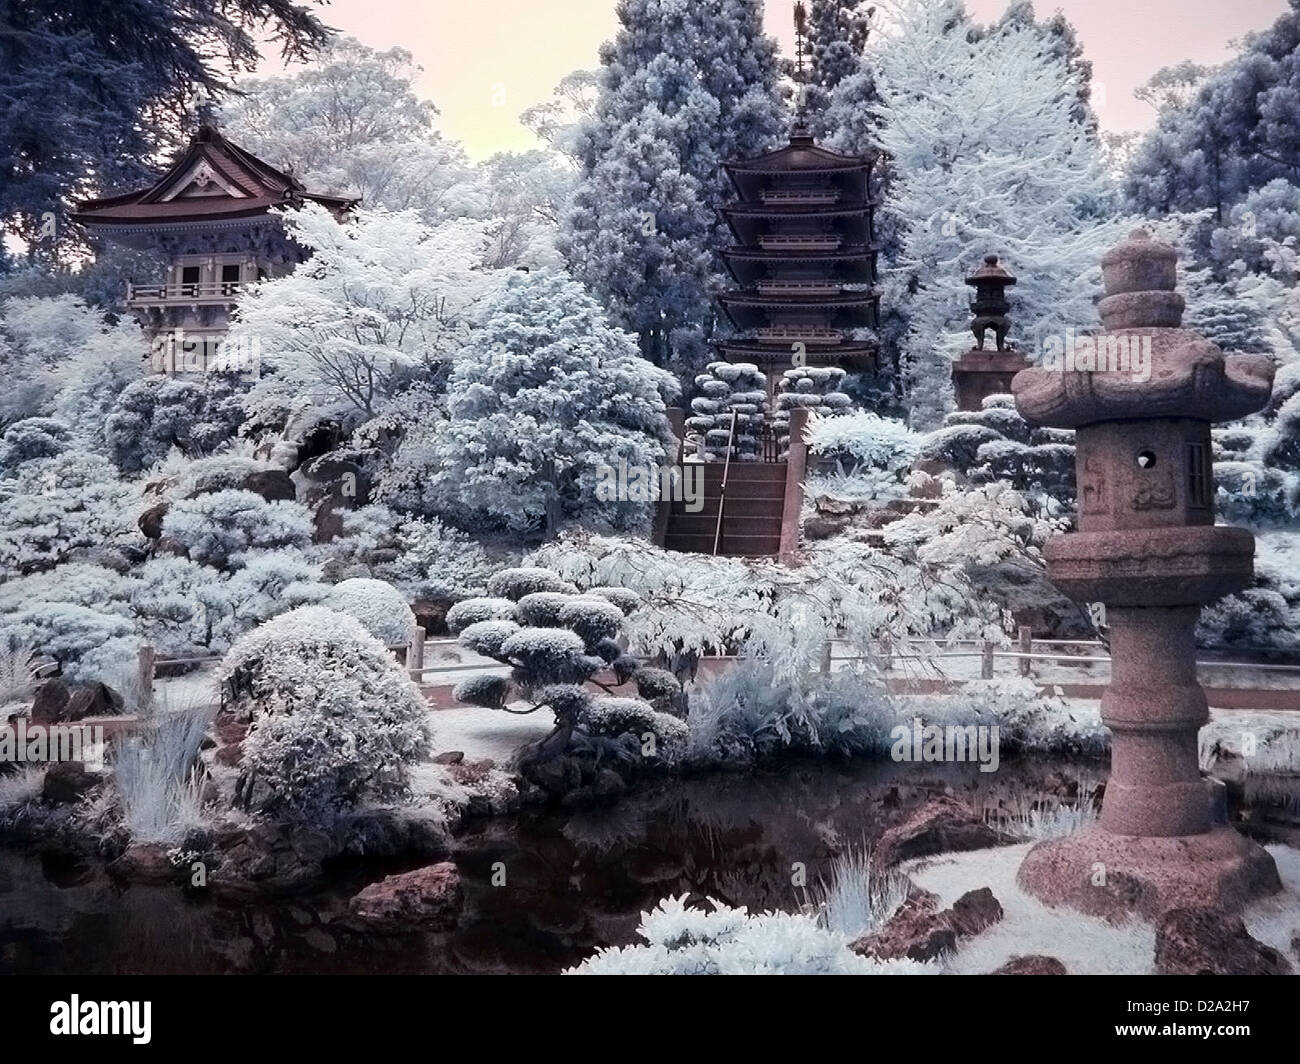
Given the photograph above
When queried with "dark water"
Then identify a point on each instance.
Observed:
(574, 881)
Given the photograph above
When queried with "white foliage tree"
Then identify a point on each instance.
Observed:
(383, 296)
(986, 158)
(547, 395)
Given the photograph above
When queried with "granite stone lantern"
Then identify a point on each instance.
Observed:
(980, 373)
(1148, 548)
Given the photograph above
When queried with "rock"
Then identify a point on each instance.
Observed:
(1212, 942)
(267, 857)
(920, 932)
(429, 898)
(93, 700)
(828, 504)
(824, 527)
(328, 521)
(608, 784)
(917, 931)
(468, 773)
(172, 545)
(50, 705)
(431, 615)
(1295, 944)
(449, 757)
(144, 862)
(66, 781)
(975, 911)
(1033, 964)
(274, 485)
(151, 521)
(942, 825)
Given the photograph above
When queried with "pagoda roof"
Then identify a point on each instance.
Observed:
(801, 154)
(212, 180)
(848, 251)
(791, 301)
(744, 209)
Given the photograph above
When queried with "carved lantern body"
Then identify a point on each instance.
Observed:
(1147, 547)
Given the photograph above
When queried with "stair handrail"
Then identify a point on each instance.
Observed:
(722, 490)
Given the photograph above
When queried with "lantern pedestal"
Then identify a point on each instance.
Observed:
(1116, 876)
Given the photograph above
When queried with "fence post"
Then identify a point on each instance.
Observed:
(415, 654)
(145, 660)
(1026, 647)
(986, 660)
(826, 658)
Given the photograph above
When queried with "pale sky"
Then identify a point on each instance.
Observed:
(485, 61)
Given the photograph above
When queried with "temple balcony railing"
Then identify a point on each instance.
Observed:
(800, 197)
(183, 294)
(808, 334)
(799, 242)
(799, 288)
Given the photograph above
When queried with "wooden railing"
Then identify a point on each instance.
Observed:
(722, 490)
(179, 293)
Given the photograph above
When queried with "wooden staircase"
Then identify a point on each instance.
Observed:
(751, 518)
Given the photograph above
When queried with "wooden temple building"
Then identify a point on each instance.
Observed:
(213, 216)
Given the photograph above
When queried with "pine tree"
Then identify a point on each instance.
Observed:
(545, 397)
(685, 85)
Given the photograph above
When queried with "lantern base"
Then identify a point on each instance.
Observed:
(1118, 876)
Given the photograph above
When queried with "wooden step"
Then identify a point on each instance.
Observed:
(732, 546)
(701, 524)
(742, 506)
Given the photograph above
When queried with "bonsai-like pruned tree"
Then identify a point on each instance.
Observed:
(566, 652)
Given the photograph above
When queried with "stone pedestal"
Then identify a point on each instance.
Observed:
(1147, 548)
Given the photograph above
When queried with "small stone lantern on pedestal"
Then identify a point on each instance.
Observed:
(1147, 547)
(979, 373)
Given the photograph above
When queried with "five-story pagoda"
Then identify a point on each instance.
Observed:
(804, 256)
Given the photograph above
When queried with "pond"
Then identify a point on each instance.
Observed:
(543, 890)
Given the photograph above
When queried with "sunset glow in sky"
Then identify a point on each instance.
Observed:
(487, 60)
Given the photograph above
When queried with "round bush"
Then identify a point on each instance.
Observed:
(514, 584)
(473, 610)
(487, 637)
(593, 619)
(378, 605)
(334, 718)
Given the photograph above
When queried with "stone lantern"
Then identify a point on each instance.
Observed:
(1142, 397)
(979, 373)
(990, 305)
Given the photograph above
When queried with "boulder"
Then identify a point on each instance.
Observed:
(917, 931)
(1212, 942)
(93, 700)
(975, 911)
(449, 757)
(921, 932)
(144, 862)
(429, 898)
(67, 781)
(50, 705)
(431, 615)
(274, 485)
(1033, 964)
(818, 527)
(151, 521)
(942, 825)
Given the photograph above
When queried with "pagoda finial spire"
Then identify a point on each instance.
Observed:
(800, 37)
(801, 81)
